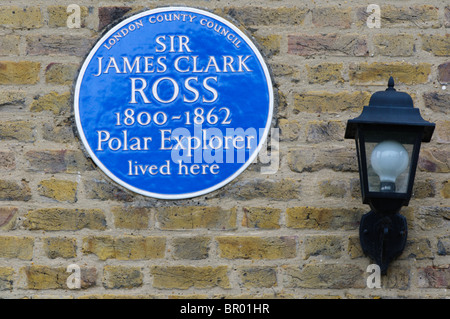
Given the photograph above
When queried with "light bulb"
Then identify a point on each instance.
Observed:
(389, 159)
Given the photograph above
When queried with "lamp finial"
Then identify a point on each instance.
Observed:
(391, 84)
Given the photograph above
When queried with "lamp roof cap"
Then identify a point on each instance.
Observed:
(391, 97)
(390, 108)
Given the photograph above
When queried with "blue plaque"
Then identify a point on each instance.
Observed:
(173, 102)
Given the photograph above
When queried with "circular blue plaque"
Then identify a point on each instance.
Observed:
(173, 102)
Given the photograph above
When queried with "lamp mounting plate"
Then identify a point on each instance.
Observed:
(383, 237)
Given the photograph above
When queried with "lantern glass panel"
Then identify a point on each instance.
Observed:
(388, 160)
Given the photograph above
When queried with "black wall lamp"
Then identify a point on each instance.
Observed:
(388, 134)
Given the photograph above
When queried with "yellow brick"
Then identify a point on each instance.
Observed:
(39, 277)
(289, 129)
(57, 16)
(193, 248)
(322, 218)
(60, 247)
(325, 72)
(258, 277)
(323, 246)
(24, 72)
(270, 44)
(417, 248)
(439, 45)
(306, 217)
(53, 102)
(274, 189)
(325, 131)
(251, 247)
(332, 16)
(20, 18)
(125, 247)
(122, 277)
(12, 190)
(9, 45)
(314, 159)
(193, 217)
(6, 278)
(445, 191)
(435, 160)
(11, 98)
(442, 132)
(8, 216)
(71, 44)
(261, 217)
(333, 188)
(64, 219)
(414, 16)
(57, 161)
(325, 276)
(59, 190)
(328, 44)
(131, 217)
(267, 16)
(22, 131)
(7, 161)
(16, 247)
(394, 45)
(59, 73)
(326, 102)
(118, 296)
(378, 73)
(184, 277)
(354, 247)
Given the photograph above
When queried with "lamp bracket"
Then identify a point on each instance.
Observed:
(383, 237)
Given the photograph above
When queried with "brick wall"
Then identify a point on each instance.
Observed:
(293, 234)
